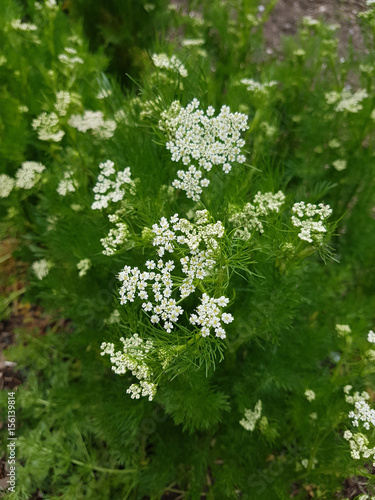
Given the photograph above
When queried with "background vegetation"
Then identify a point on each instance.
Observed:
(311, 135)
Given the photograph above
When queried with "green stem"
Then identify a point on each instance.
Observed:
(254, 123)
(336, 371)
(5, 302)
(196, 337)
(318, 442)
(333, 66)
(103, 469)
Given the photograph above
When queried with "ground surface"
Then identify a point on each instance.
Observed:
(287, 14)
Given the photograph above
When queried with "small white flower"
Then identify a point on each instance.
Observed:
(310, 395)
(347, 435)
(104, 93)
(70, 57)
(371, 337)
(227, 318)
(6, 185)
(339, 165)
(114, 317)
(343, 330)
(40, 268)
(83, 266)
(252, 417)
(169, 63)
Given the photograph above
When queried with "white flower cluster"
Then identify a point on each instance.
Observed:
(204, 139)
(47, 126)
(346, 100)
(26, 175)
(195, 265)
(171, 63)
(94, 121)
(257, 88)
(361, 414)
(334, 143)
(359, 446)
(249, 217)
(343, 330)
(133, 358)
(63, 100)
(310, 22)
(191, 235)
(305, 463)
(252, 417)
(210, 316)
(83, 266)
(117, 236)
(135, 283)
(17, 24)
(310, 395)
(51, 4)
(371, 337)
(110, 184)
(104, 93)
(149, 107)
(310, 230)
(339, 164)
(114, 317)
(66, 185)
(40, 268)
(6, 185)
(192, 42)
(70, 57)
(110, 188)
(357, 396)
(367, 68)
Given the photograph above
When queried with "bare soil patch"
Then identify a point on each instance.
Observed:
(287, 14)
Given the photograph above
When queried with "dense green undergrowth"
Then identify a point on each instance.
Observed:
(209, 225)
